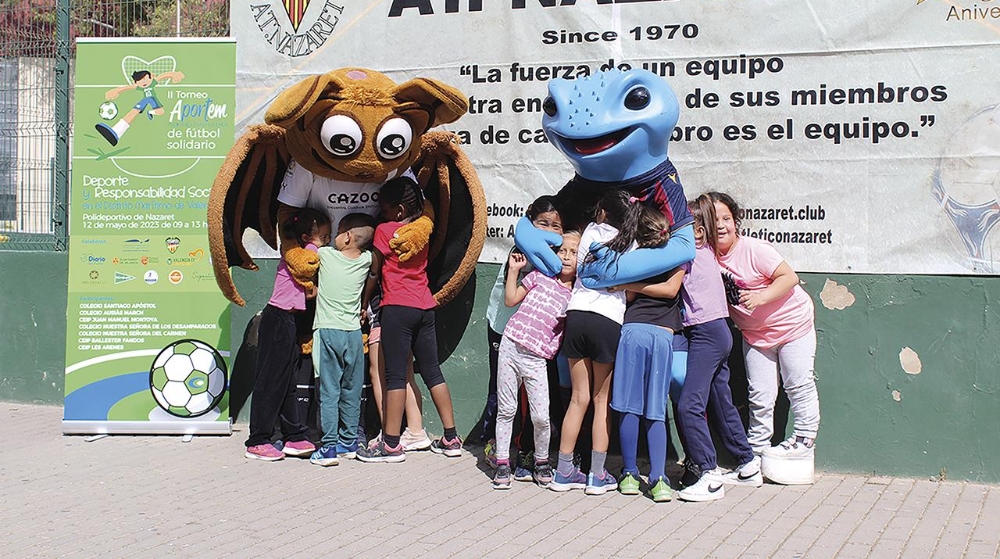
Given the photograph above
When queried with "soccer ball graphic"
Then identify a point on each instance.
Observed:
(108, 110)
(967, 186)
(188, 378)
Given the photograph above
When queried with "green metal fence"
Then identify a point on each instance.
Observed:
(36, 59)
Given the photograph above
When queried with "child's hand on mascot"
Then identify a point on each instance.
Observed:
(411, 238)
(303, 265)
(537, 245)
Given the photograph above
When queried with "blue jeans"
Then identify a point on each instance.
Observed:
(339, 357)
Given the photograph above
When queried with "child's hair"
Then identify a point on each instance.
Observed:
(541, 205)
(139, 74)
(305, 221)
(703, 210)
(636, 223)
(653, 228)
(734, 208)
(615, 203)
(403, 191)
(361, 225)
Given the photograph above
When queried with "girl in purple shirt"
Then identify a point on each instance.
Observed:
(706, 383)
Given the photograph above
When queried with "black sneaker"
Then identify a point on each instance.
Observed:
(692, 474)
(542, 473)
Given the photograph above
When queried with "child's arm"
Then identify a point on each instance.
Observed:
(175, 76)
(113, 94)
(639, 263)
(782, 281)
(667, 289)
(374, 273)
(513, 292)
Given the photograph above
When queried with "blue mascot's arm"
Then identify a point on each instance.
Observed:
(537, 244)
(639, 264)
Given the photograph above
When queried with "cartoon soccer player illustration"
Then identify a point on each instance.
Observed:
(144, 80)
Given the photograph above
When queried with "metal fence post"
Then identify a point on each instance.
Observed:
(60, 210)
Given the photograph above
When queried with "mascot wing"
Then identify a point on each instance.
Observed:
(451, 184)
(245, 196)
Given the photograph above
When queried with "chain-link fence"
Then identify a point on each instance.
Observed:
(36, 60)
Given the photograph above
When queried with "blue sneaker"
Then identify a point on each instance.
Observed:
(600, 484)
(325, 456)
(348, 452)
(562, 483)
(525, 466)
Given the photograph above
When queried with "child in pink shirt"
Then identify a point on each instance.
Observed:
(279, 353)
(775, 316)
(532, 337)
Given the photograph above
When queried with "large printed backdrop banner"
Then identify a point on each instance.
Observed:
(861, 136)
(147, 329)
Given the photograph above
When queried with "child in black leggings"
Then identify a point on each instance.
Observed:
(407, 326)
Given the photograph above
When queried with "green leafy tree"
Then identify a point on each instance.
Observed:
(198, 18)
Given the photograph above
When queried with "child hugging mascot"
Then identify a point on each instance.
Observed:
(329, 143)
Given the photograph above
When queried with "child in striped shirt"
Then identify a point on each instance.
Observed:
(532, 336)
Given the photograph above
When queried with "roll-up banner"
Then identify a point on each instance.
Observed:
(147, 328)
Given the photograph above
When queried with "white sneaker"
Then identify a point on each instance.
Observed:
(790, 463)
(795, 448)
(414, 441)
(708, 488)
(747, 474)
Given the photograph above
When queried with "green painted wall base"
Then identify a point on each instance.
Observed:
(877, 417)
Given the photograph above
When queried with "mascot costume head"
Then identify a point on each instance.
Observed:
(354, 125)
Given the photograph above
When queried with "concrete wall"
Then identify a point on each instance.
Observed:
(908, 366)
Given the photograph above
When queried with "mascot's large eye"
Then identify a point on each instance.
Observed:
(637, 99)
(394, 138)
(549, 106)
(341, 135)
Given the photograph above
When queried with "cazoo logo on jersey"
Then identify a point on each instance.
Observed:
(296, 27)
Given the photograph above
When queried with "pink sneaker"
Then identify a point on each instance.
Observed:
(298, 448)
(265, 452)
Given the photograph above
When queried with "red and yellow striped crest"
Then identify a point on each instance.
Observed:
(296, 9)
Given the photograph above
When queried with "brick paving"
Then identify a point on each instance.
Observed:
(160, 497)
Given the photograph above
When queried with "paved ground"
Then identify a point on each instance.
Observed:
(157, 496)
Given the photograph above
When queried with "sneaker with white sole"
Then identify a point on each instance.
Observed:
(745, 474)
(707, 488)
(792, 462)
(452, 448)
(793, 448)
(599, 484)
(414, 440)
(348, 452)
(325, 456)
(501, 477)
(575, 480)
(265, 452)
(298, 449)
(381, 452)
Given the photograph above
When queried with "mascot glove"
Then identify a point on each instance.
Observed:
(413, 237)
(536, 244)
(639, 264)
(303, 265)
